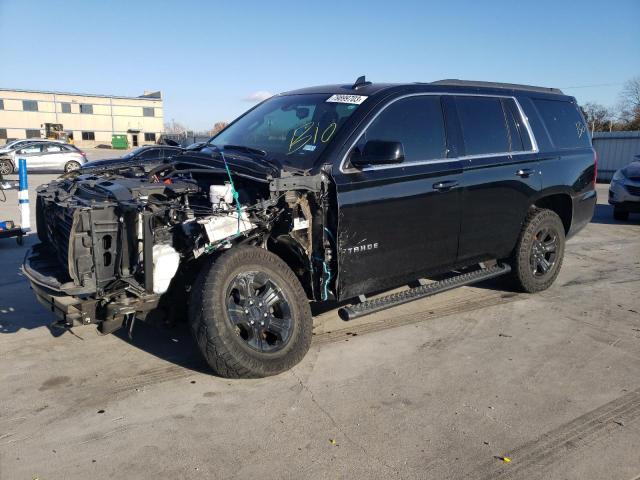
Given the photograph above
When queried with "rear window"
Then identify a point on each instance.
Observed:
(564, 123)
(484, 129)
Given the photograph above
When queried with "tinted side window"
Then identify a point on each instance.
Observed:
(483, 125)
(169, 152)
(564, 123)
(417, 122)
(151, 153)
(65, 107)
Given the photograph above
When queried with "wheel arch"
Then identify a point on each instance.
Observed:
(292, 253)
(559, 202)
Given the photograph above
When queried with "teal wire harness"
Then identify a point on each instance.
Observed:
(233, 189)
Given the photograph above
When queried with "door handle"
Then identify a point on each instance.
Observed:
(525, 172)
(444, 186)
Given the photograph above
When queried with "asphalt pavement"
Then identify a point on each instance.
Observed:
(448, 387)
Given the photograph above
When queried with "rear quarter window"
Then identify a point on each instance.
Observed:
(564, 123)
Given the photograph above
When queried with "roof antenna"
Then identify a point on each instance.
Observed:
(360, 82)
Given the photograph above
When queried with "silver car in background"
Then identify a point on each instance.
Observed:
(624, 191)
(47, 155)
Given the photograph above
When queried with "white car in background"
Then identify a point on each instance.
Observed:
(624, 191)
(41, 155)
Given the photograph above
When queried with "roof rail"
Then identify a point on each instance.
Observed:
(511, 86)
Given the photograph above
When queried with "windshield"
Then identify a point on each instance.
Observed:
(12, 144)
(293, 129)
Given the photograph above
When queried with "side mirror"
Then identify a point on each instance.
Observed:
(378, 152)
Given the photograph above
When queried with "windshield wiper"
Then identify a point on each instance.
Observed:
(243, 148)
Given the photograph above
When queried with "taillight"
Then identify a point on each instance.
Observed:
(595, 168)
(83, 154)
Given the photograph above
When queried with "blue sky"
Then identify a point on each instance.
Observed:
(208, 56)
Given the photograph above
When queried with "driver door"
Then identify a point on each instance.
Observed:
(398, 222)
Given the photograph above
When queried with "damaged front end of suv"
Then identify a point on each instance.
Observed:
(159, 240)
(114, 243)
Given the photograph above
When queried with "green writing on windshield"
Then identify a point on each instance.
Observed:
(308, 134)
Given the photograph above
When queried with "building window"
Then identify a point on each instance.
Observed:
(32, 133)
(149, 137)
(3, 133)
(65, 107)
(30, 105)
(88, 136)
(148, 112)
(86, 108)
(1, 104)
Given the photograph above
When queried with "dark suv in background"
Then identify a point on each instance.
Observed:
(146, 153)
(317, 195)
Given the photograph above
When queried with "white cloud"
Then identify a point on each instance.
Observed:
(258, 96)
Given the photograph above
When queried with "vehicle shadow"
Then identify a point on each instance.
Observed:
(173, 344)
(18, 306)
(604, 214)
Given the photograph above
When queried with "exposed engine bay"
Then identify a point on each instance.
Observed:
(119, 239)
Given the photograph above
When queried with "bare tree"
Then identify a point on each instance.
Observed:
(174, 127)
(598, 117)
(218, 127)
(630, 104)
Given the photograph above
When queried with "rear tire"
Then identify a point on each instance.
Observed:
(538, 256)
(71, 166)
(236, 293)
(6, 167)
(620, 214)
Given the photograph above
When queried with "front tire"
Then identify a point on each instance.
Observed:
(6, 167)
(538, 256)
(619, 214)
(249, 314)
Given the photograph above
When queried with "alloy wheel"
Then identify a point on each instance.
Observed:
(71, 166)
(544, 251)
(259, 312)
(5, 167)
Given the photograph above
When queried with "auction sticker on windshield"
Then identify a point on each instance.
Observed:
(352, 99)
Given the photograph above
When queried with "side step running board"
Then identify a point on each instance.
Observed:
(378, 304)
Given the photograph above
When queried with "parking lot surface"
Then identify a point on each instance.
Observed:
(441, 388)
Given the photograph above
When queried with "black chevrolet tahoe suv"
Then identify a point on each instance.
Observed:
(324, 194)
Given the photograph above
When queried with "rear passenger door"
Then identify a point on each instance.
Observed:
(396, 222)
(53, 156)
(501, 175)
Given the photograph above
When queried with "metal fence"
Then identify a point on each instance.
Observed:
(615, 150)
